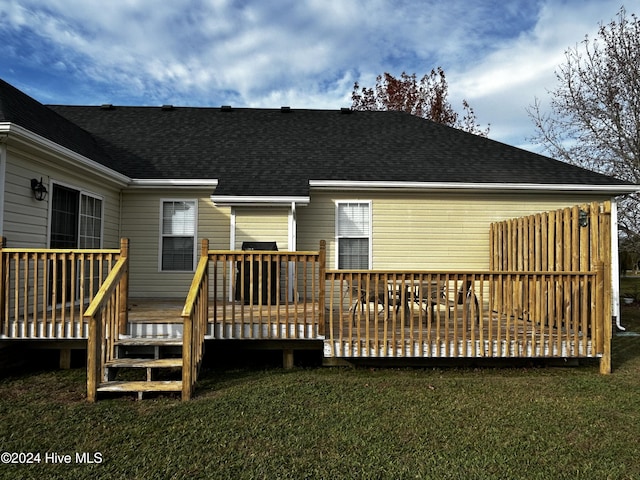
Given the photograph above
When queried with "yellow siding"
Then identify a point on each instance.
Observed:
(141, 224)
(425, 231)
(262, 224)
(26, 220)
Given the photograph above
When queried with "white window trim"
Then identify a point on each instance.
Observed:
(161, 235)
(82, 192)
(369, 232)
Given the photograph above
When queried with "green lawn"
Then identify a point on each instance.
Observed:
(248, 422)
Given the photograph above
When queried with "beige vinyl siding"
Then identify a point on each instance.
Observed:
(262, 224)
(26, 221)
(425, 231)
(141, 225)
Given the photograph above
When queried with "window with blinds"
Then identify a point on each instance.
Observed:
(353, 235)
(178, 235)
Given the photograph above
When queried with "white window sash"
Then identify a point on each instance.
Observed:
(177, 223)
(353, 222)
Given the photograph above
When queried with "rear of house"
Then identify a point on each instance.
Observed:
(402, 207)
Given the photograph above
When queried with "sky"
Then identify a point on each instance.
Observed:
(499, 55)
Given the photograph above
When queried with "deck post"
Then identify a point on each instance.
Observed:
(123, 307)
(65, 358)
(603, 323)
(605, 279)
(94, 356)
(322, 284)
(287, 358)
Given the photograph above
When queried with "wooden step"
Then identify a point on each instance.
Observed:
(150, 342)
(145, 363)
(141, 386)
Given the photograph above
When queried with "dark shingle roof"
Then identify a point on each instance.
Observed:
(272, 152)
(19, 108)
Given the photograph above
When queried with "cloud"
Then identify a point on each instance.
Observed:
(507, 80)
(498, 54)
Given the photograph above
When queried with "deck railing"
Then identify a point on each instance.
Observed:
(267, 294)
(106, 317)
(44, 292)
(195, 322)
(466, 314)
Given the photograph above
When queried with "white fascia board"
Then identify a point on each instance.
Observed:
(12, 132)
(472, 187)
(257, 201)
(168, 183)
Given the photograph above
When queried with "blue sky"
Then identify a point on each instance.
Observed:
(497, 54)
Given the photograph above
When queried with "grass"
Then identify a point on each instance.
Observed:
(264, 422)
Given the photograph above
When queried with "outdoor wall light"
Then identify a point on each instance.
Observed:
(39, 190)
(583, 218)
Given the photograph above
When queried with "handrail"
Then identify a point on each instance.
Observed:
(398, 313)
(104, 318)
(61, 250)
(44, 292)
(107, 287)
(462, 272)
(192, 295)
(264, 294)
(195, 320)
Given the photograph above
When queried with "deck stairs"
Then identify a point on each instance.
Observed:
(146, 362)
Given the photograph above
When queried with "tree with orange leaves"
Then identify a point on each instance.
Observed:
(426, 98)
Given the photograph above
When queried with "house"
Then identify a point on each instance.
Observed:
(385, 191)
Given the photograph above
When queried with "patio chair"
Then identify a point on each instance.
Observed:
(436, 296)
(467, 298)
(379, 295)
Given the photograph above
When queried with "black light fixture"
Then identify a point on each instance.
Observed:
(39, 190)
(583, 218)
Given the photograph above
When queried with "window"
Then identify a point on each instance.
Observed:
(76, 219)
(178, 235)
(76, 222)
(90, 222)
(353, 235)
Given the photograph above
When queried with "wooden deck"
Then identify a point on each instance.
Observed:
(231, 320)
(445, 336)
(449, 337)
(547, 293)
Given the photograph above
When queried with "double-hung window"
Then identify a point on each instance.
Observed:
(76, 218)
(178, 235)
(353, 235)
(90, 235)
(76, 222)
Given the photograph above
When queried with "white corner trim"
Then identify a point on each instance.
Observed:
(3, 166)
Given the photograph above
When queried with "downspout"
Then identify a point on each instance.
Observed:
(293, 228)
(232, 243)
(293, 246)
(615, 267)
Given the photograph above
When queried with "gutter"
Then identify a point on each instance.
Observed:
(13, 132)
(473, 187)
(142, 183)
(258, 201)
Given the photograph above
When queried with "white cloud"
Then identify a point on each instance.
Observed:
(498, 54)
(505, 82)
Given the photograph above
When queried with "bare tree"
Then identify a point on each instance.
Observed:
(426, 98)
(594, 118)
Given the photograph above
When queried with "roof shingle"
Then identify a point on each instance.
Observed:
(275, 152)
